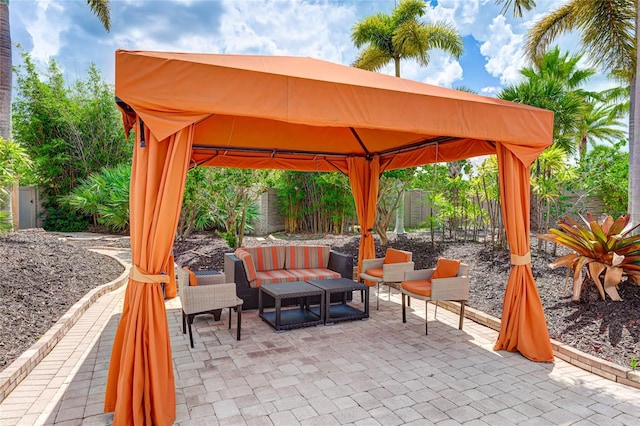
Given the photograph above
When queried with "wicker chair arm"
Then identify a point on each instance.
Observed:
(196, 299)
(372, 264)
(418, 274)
(394, 272)
(456, 288)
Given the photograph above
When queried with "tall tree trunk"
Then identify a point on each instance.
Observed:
(634, 139)
(399, 229)
(5, 92)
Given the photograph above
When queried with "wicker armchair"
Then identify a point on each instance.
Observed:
(212, 293)
(389, 270)
(437, 284)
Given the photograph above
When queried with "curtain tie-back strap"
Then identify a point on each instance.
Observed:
(521, 260)
(137, 275)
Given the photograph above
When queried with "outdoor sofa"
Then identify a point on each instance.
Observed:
(250, 267)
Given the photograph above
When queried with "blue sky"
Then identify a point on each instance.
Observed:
(67, 31)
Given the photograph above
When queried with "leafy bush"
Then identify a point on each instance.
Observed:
(607, 247)
(6, 224)
(64, 219)
(104, 196)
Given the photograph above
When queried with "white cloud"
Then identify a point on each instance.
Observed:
(443, 72)
(319, 30)
(503, 51)
(45, 31)
(490, 90)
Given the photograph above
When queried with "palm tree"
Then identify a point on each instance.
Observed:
(569, 106)
(601, 112)
(600, 122)
(608, 36)
(400, 35)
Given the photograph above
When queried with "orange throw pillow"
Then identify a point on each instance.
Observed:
(193, 280)
(446, 268)
(396, 256)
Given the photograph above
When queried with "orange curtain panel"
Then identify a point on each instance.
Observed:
(523, 326)
(364, 175)
(140, 382)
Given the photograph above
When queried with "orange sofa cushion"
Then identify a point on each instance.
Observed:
(306, 257)
(267, 258)
(396, 256)
(193, 280)
(247, 262)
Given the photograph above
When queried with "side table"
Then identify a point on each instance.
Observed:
(296, 317)
(342, 311)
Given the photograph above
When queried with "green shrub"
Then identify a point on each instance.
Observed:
(63, 219)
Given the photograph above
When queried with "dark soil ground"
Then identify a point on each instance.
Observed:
(43, 275)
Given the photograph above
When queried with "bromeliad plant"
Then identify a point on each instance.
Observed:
(607, 248)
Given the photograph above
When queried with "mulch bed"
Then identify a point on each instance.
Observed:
(44, 275)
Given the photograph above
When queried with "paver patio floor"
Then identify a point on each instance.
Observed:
(378, 371)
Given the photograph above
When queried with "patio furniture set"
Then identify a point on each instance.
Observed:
(303, 286)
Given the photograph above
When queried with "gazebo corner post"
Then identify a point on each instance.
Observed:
(364, 176)
(140, 384)
(523, 325)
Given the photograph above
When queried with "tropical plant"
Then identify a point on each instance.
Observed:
(547, 183)
(104, 196)
(400, 35)
(390, 38)
(392, 187)
(604, 172)
(608, 36)
(602, 110)
(199, 209)
(236, 190)
(601, 122)
(315, 202)
(486, 190)
(554, 84)
(100, 8)
(14, 161)
(68, 132)
(604, 248)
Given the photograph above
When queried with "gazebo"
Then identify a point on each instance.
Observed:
(302, 114)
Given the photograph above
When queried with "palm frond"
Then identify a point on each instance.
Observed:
(408, 10)
(518, 6)
(372, 59)
(102, 10)
(608, 32)
(548, 29)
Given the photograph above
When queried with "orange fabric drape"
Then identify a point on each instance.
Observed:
(523, 327)
(172, 286)
(140, 383)
(364, 176)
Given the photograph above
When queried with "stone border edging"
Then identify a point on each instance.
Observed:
(590, 363)
(11, 376)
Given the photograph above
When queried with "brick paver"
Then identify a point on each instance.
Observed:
(378, 371)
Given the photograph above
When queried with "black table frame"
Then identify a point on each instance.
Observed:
(342, 311)
(299, 316)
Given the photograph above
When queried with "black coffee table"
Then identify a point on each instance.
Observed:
(300, 316)
(342, 311)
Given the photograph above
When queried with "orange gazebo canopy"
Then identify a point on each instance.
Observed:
(298, 114)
